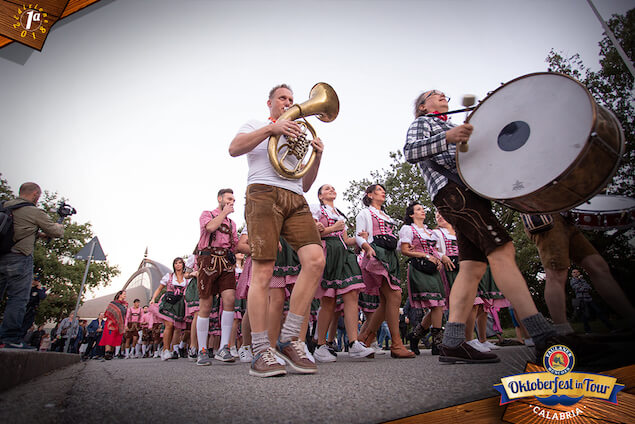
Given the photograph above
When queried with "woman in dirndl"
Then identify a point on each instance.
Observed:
(342, 277)
(380, 268)
(425, 283)
(478, 315)
(115, 319)
(171, 308)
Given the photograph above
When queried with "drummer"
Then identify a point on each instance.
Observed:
(559, 243)
(431, 142)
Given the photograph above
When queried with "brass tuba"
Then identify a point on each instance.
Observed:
(322, 102)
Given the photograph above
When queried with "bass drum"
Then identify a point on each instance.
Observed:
(605, 212)
(541, 145)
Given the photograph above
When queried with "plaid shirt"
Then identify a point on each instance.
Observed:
(426, 140)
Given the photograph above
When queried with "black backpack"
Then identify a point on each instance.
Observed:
(6, 225)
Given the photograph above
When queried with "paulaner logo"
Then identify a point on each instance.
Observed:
(559, 385)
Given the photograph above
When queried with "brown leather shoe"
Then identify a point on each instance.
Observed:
(294, 355)
(266, 365)
(398, 350)
(465, 353)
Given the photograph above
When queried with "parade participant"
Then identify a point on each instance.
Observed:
(276, 207)
(559, 243)
(242, 286)
(342, 277)
(192, 304)
(425, 284)
(449, 248)
(215, 260)
(133, 325)
(431, 142)
(16, 265)
(147, 321)
(171, 309)
(380, 267)
(115, 324)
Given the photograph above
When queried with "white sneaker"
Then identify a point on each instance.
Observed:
(378, 351)
(529, 342)
(165, 355)
(308, 353)
(234, 352)
(358, 350)
(244, 353)
(478, 345)
(157, 354)
(491, 345)
(322, 354)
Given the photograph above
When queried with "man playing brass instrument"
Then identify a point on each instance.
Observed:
(276, 206)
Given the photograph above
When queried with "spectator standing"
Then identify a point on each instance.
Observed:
(16, 266)
(38, 293)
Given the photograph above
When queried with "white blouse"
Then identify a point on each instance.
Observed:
(364, 222)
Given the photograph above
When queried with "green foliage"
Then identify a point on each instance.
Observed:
(53, 261)
(612, 87)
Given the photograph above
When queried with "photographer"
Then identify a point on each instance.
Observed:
(16, 266)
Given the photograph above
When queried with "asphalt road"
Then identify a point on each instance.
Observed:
(178, 391)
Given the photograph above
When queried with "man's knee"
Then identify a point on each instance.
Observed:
(312, 258)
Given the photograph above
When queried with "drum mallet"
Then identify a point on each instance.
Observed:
(468, 100)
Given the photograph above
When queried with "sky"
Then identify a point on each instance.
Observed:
(129, 110)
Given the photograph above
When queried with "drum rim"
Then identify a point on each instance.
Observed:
(571, 167)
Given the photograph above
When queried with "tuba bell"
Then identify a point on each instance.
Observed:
(322, 102)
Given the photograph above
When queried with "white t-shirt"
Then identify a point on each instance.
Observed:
(260, 169)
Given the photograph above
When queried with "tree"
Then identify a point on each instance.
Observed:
(612, 87)
(54, 261)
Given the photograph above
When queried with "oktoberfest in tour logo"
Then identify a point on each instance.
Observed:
(558, 384)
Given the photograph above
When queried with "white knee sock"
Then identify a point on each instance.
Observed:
(137, 348)
(202, 328)
(117, 350)
(226, 322)
(144, 349)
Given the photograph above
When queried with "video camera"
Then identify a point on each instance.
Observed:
(64, 210)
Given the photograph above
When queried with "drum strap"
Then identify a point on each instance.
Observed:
(445, 172)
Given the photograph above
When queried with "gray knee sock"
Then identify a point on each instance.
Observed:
(539, 328)
(291, 327)
(454, 334)
(259, 342)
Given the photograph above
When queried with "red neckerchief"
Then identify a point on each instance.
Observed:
(441, 117)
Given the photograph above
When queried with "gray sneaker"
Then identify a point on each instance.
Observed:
(203, 358)
(224, 355)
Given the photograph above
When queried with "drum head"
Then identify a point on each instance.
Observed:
(606, 203)
(526, 134)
